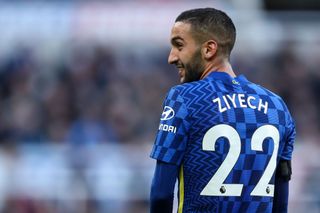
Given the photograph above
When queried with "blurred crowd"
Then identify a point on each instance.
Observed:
(86, 95)
(92, 94)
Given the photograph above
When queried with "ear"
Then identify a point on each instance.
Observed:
(209, 49)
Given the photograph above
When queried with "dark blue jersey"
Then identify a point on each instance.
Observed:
(227, 135)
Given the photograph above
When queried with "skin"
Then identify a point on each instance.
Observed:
(195, 60)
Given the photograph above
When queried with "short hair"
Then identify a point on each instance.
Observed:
(210, 23)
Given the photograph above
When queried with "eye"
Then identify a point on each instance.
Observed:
(179, 45)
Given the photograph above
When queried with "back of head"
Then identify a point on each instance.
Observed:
(211, 24)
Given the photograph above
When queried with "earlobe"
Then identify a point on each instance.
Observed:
(210, 49)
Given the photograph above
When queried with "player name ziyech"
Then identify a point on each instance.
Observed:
(240, 101)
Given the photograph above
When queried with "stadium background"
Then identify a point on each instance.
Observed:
(81, 88)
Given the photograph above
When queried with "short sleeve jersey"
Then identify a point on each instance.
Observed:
(227, 135)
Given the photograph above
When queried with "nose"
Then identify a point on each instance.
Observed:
(173, 57)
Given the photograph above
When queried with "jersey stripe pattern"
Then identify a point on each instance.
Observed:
(229, 130)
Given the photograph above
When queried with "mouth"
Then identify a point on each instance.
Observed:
(181, 73)
(178, 64)
(179, 67)
(181, 70)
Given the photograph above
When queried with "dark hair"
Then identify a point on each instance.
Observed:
(210, 23)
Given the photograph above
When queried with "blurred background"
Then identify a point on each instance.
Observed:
(81, 90)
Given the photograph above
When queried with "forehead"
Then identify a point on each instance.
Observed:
(181, 30)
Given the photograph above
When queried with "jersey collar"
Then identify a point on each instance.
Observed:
(222, 76)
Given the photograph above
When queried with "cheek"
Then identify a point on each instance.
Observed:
(192, 54)
(187, 55)
(185, 58)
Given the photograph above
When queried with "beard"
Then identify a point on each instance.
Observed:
(195, 68)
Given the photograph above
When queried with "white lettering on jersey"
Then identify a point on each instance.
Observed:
(232, 99)
(225, 100)
(219, 104)
(167, 128)
(249, 103)
(228, 101)
(263, 105)
(242, 100)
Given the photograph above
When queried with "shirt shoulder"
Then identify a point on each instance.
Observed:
(189, 91)
(281, 111)
(278, 102)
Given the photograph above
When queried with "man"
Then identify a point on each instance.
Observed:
(227, 140)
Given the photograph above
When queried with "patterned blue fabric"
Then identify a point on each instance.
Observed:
(192, 109)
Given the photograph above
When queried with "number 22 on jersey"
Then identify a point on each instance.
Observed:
(216, 185)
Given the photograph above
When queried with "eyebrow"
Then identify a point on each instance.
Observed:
(175, 38)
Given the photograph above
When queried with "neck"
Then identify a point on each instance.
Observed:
(220, 66)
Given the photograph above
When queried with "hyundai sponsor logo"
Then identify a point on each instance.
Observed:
(167, 113)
